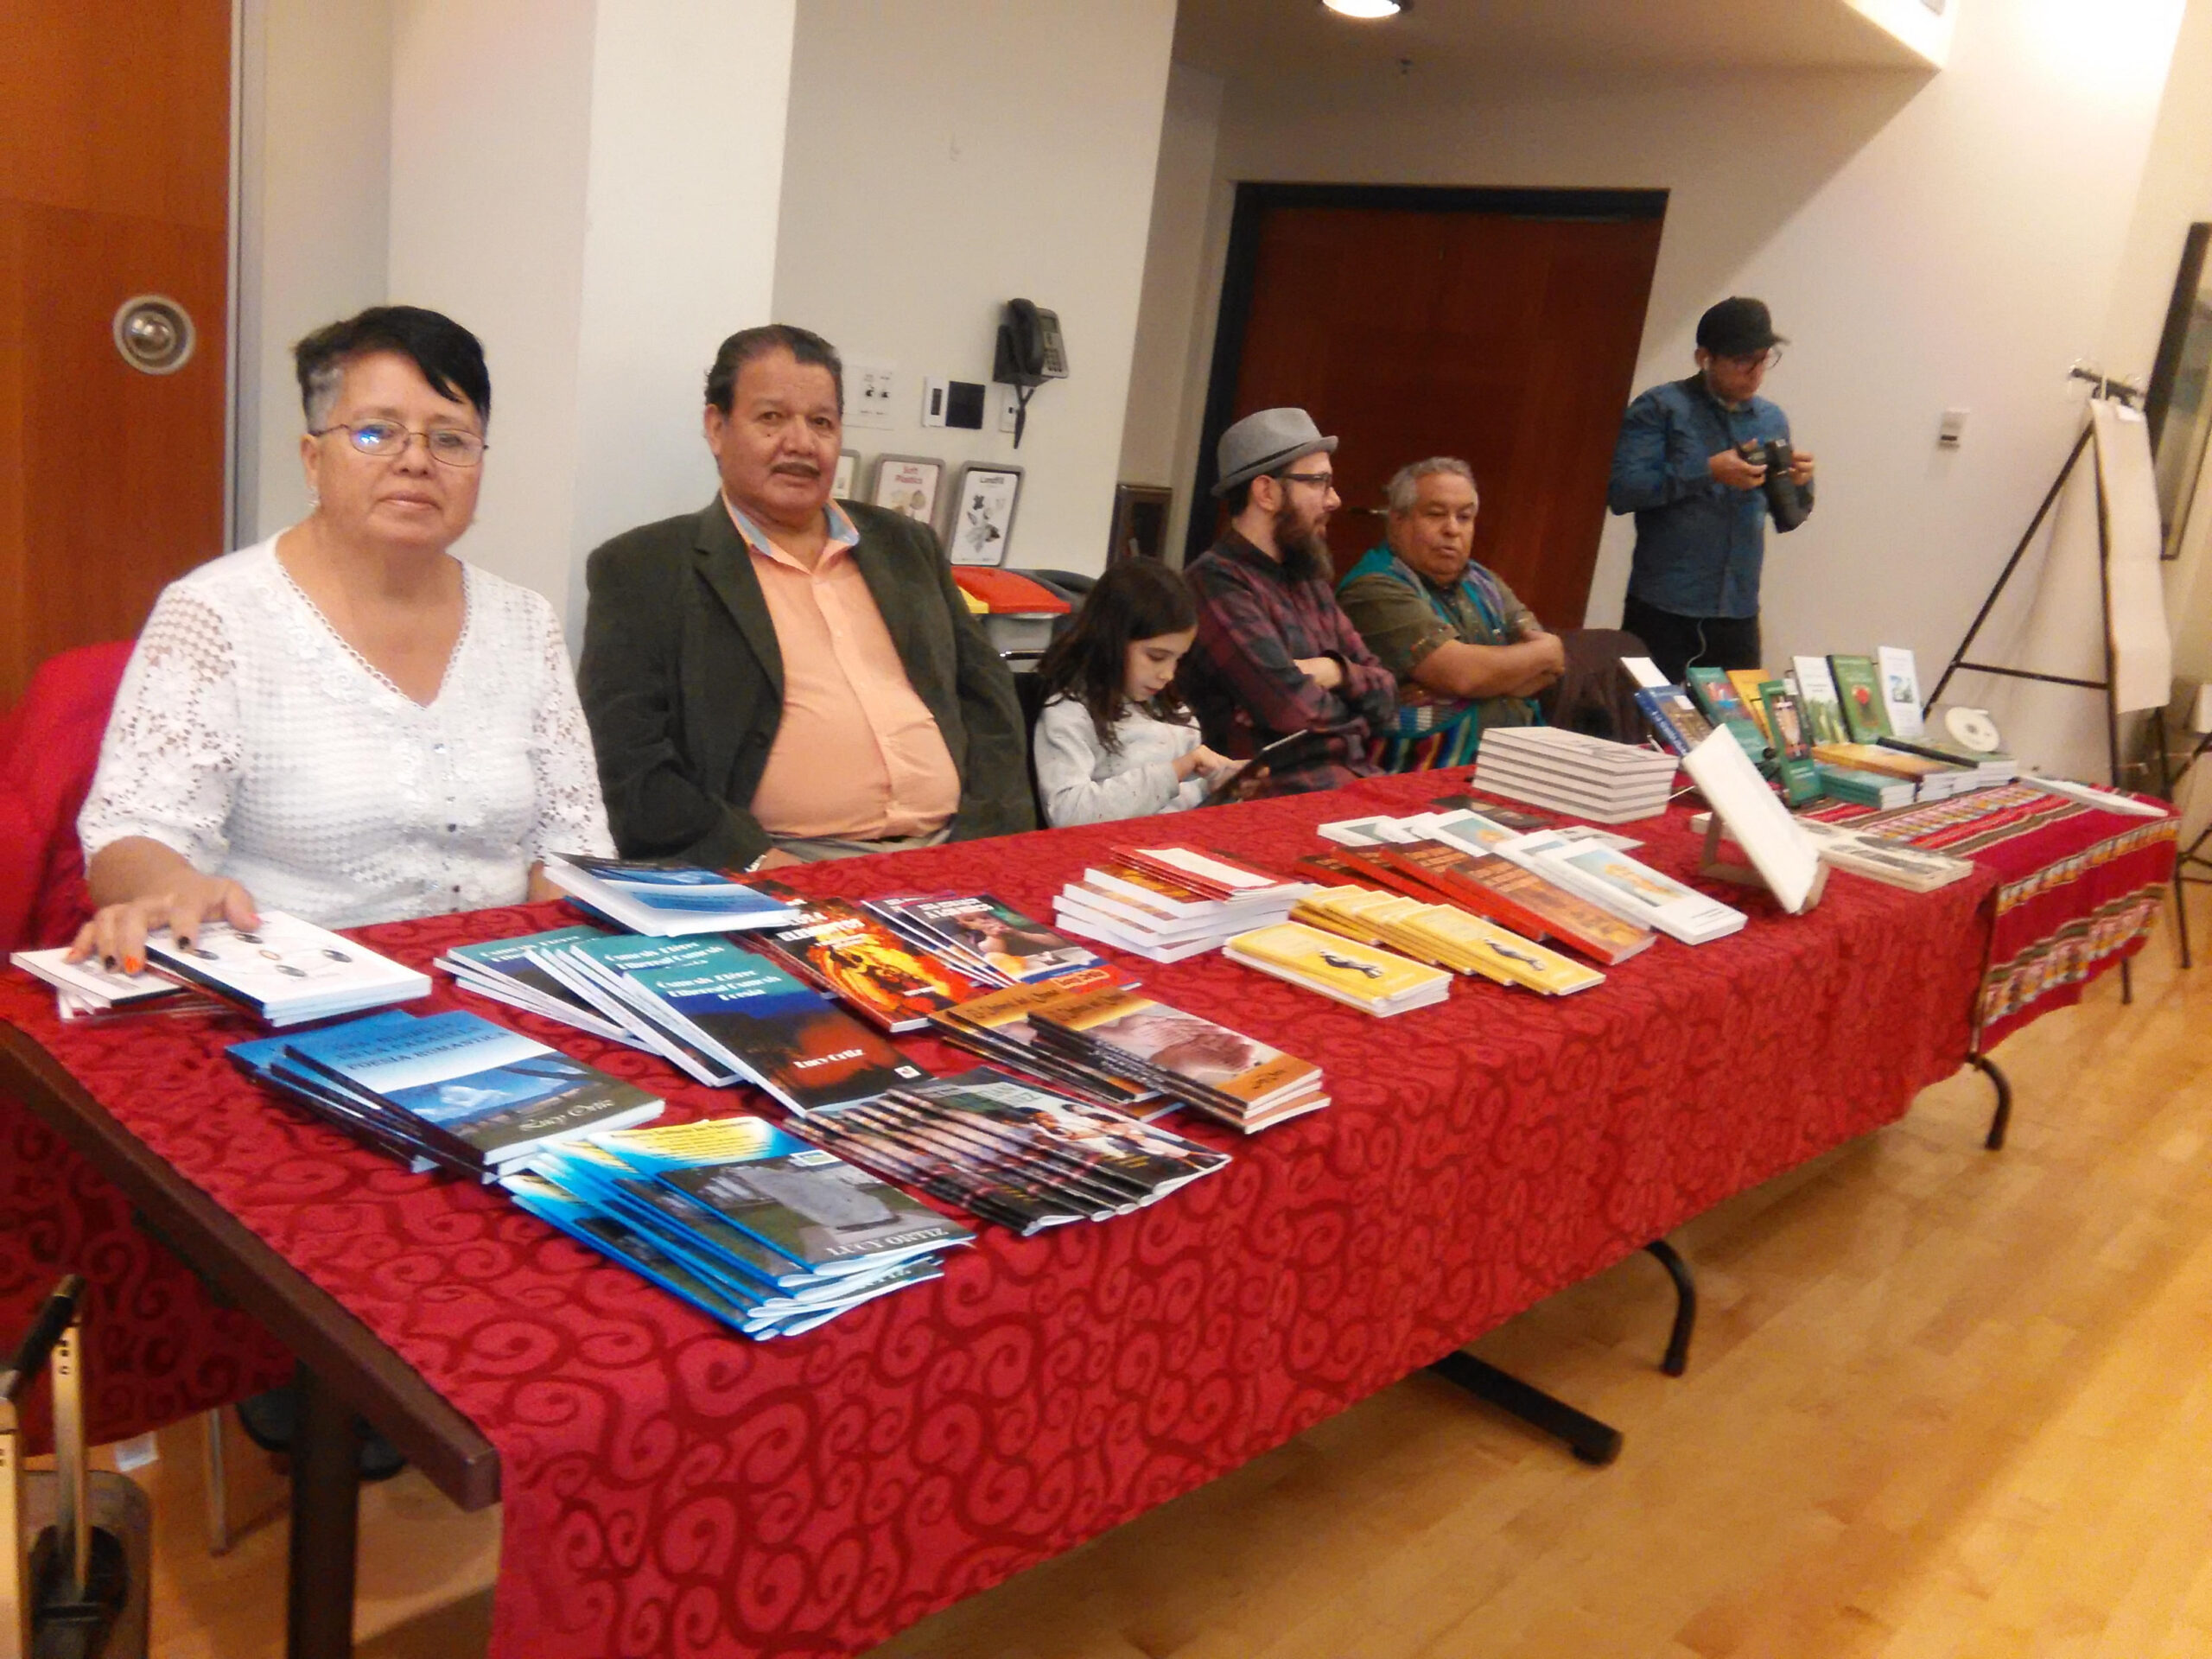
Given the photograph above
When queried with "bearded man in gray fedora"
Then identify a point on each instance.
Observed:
(1274, 654)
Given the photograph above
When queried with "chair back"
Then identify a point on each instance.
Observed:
(1595, 696)
(49, 748)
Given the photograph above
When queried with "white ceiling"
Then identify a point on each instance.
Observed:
(1298, 42)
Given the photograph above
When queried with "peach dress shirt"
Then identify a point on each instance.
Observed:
(858, 755)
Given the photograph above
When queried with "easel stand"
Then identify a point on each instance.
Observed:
(1959, 659)
(1712, 864)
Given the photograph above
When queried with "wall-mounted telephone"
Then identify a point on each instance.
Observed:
(1031, 351)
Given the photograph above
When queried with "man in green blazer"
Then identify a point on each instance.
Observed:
(782, 676)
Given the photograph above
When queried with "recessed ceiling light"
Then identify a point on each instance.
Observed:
(1367, 9)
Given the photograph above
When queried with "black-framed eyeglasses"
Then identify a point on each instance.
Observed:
(388, 441)
(1319, 481)
(1766, 359)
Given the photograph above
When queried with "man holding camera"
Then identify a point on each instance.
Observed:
(1702, 463)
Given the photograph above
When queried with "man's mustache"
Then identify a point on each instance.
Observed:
(798, 468)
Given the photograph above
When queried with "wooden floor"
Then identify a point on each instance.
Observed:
(1942, 1402)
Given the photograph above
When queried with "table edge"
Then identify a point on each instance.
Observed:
(352, 1358)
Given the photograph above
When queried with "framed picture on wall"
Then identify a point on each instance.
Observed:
(848, 477)
(981, 527)
(908, 484)
(1140, 529)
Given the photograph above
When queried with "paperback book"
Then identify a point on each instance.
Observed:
(1367, 977)
(1673, 717)
(1520, 900)
(285, 970)
(1859, 687)
(85, 989)
(483, 1095)
(663, 898)
(1207, 1066)
(507, 970)
(758, 1019)
(989, 940)
(856, 956)
(996, 1026)
(807, 1205)
(1629, 889)
(1716, 693)
(1819, 702)
(1009, 1152)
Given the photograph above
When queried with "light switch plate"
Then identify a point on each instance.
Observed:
(869, 389)
(934, 392)
(1009, 406)
(1952, 428)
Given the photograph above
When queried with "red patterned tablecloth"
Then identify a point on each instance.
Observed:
(2078, 890)
(671, 1488)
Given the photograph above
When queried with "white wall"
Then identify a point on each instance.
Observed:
(1927, 240)
(592, 188)
(945, 156)
(315, 143)
(690, 101)
(1163, 360)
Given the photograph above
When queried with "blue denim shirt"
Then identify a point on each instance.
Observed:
(1699, 544)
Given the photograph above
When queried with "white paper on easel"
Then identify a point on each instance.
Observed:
(2142, 651)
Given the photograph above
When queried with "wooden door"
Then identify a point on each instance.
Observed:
(114, 182)
(1500, 327)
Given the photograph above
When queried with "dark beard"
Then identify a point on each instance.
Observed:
(1304, 552)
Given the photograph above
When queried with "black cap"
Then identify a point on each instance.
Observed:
(1736, 328)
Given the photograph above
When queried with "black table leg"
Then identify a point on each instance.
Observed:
(2003, 1115)
(1589, 1439)
(1678, 1340)
(326, 1517)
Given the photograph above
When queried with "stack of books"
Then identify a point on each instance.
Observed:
(1612, 880)
(665, 899)
(1567, 771)
(450, 1091)
(507, 971)
(85, 990)
(855, 954)
(1166, 903)
(1893, 863)
(987, 941)
(1986, 771)
(1445, 936)
(726, 1014)
(1009, 1152)
(1208, 1067)
(286, 971)
(1863, 788)
(996, 1025)
(1367, 977)
(1930, 779)
(1459, 866)
(764, 1231)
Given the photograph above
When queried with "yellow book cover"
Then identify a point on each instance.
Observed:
(1747, 682)
(1362, 973)
(1528, 963)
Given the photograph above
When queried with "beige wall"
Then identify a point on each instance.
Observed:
(1928, 240)
(945, 156)
(315, 150)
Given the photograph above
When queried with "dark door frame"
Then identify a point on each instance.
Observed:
(1254, 201)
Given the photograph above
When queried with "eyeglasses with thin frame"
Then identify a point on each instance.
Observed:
(1319, 481)
(1748, 361)
(388, 441)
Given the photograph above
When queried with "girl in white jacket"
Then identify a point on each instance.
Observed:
(1114, 741)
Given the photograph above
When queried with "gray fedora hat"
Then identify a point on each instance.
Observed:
(1263, 441)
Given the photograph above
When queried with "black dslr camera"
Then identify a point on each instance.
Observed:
(1785, 502)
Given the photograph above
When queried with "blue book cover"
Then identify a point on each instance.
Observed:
(498, 1090)
(610, 1236)
(800, 1046)
(663, 897)
(805, 1204)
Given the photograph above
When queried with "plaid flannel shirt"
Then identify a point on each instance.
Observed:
(1241, 677)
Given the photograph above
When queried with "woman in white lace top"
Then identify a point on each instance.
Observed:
(346, 722)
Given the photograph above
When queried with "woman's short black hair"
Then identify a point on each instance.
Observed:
(747, 344)
(450, 358)
(1137, 599)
